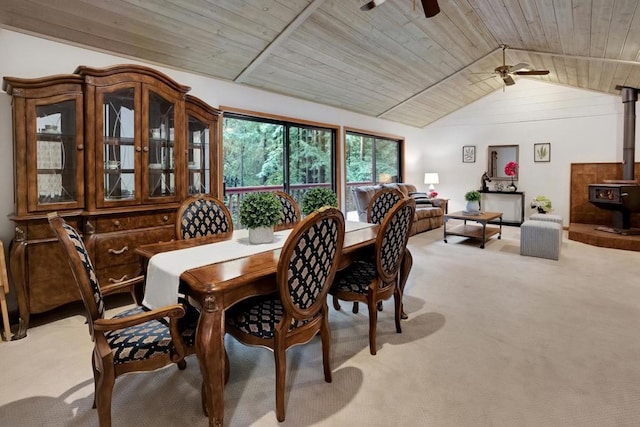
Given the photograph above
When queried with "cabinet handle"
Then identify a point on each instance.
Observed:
(122, 279)
(116, 223)
(138, 149)
(165, 218)
(118, 251)
(80, 147)
(145, 149)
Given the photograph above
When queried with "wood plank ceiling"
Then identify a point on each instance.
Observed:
(390, 62)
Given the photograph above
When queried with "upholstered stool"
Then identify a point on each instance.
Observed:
(548, 217)
(541, 239)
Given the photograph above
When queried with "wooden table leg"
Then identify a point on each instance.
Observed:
(211, 357)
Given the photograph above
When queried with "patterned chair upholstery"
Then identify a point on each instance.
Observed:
(201, 216)
(298, 311)
(290, 211)
(137, 339)
(381, 203)
(377, 279)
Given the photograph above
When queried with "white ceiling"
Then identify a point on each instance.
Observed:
(390, 62)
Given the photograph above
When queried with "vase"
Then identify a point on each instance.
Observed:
(473, 207)
(260, 235)
(512, 187)
(541, 210)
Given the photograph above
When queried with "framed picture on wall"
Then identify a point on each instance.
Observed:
(542, 152)
(469, 154)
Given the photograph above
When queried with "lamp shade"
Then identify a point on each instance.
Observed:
(431, 178)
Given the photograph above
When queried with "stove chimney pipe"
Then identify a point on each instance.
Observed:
(629, 99)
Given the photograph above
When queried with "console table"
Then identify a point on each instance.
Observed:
(488, 193)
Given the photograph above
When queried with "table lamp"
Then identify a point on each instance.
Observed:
(431, 178)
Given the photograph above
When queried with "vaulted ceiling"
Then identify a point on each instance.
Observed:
(390, 62)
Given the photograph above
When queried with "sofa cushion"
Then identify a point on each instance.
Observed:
(427, 212)
(361, 197)
(420, 198)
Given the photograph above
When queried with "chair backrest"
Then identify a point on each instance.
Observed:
(392, 239)
(290, 211)
(308, 262)
(81, 266)
(203, 215)
(381, 203)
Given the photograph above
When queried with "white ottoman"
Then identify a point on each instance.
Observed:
(548, 217)
(540, 239)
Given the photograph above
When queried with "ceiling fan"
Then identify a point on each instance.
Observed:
(430, 7)
(522, 69)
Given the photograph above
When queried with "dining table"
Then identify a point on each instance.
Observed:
(219, 272)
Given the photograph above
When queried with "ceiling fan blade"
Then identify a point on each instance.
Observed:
(370, 5)
(430, 7)
(519, 66)
(508, 80)
(532, 73)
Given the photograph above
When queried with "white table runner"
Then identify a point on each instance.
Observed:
(164, 269)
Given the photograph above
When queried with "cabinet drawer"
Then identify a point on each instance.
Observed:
(40, 229)
(113, 249)
(135, 221)
(117, 274)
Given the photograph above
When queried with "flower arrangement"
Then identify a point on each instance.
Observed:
(260, 209)
(317, 198)
(511, 169)
(472, 196)
(433, 194)
(542, 203)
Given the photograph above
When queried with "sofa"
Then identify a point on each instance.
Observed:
(429, 211)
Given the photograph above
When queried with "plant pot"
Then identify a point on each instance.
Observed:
(260, 235)
(473, 206)
(540, 210)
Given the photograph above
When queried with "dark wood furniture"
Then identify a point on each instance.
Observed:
(298, 311)
(374, 279)
(134, 340)
(217, 287)
(290, 211)
(114, 151)
(481, 231)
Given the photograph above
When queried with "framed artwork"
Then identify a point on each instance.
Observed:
(542, 152)
(468, 154)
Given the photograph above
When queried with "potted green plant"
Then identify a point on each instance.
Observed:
(317, 198)
(473, 202)
(542, 203)
(259, 212)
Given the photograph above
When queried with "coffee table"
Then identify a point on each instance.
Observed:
(481, 231)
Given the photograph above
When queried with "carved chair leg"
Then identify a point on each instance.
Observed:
(104, 392)
(397, 298)
(336, 303)
(354, 310)
(373, 321)
(325, 334)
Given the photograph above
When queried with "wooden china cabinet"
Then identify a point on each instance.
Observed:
(114, 151)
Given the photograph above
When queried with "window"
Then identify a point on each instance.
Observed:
(264, 154)
(371, 159)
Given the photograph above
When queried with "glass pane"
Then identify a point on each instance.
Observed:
(387, 160)
(359, 159)
(161, 155)
(198, 157)
(310, 161)
(56, 152)
(118, 132)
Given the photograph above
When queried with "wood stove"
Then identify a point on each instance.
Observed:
(621, 196)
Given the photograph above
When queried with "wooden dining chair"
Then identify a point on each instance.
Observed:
(290, 211)
(298, 311)
(137, 339)
(202, 215)
(4, 289)
(379, 206)
(370, 280)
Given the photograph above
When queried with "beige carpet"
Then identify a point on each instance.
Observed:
(492, 339)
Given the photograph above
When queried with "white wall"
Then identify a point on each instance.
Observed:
(582, 126)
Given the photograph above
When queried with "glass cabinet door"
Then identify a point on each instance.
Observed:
(56, 155)
(116, 162)
(160, 153)
(198, 173)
